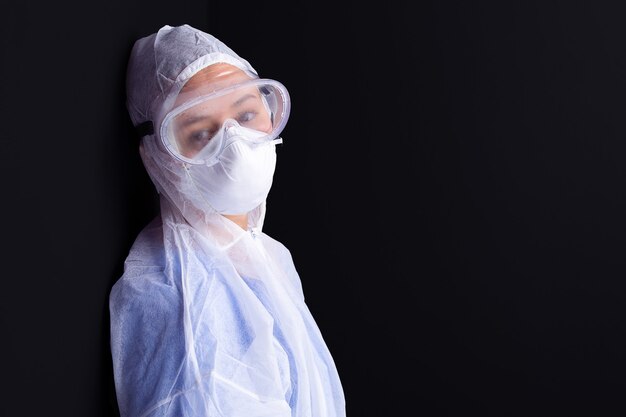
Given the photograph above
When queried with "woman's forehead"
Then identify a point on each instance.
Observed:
(214, 77)
(210, 79)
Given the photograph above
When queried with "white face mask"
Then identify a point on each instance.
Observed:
(241, 178)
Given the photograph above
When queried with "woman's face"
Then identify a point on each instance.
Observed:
(195, 127)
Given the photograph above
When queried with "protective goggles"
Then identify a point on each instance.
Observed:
(196, 131)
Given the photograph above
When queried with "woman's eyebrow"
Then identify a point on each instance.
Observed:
(193, 119)
(240, 100)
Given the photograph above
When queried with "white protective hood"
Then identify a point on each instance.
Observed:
(208, 319)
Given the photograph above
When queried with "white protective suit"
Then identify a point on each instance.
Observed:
(208, 319)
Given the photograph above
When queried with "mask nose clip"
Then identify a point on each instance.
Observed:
(229, 124)
(233, 132)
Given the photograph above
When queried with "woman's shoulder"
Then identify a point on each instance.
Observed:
(276, 246)
(148, 249)
(143, 267)
(285, 260)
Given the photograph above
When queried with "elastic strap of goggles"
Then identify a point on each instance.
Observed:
(145, 128)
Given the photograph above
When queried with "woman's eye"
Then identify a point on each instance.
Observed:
(200, 137)
(247, 116)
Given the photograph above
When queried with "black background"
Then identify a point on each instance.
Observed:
(451, 187)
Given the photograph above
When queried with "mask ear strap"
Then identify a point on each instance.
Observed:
(144, 129)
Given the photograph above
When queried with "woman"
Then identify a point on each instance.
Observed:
(209, 317)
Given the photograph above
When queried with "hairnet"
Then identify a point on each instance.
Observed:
(208, 319)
